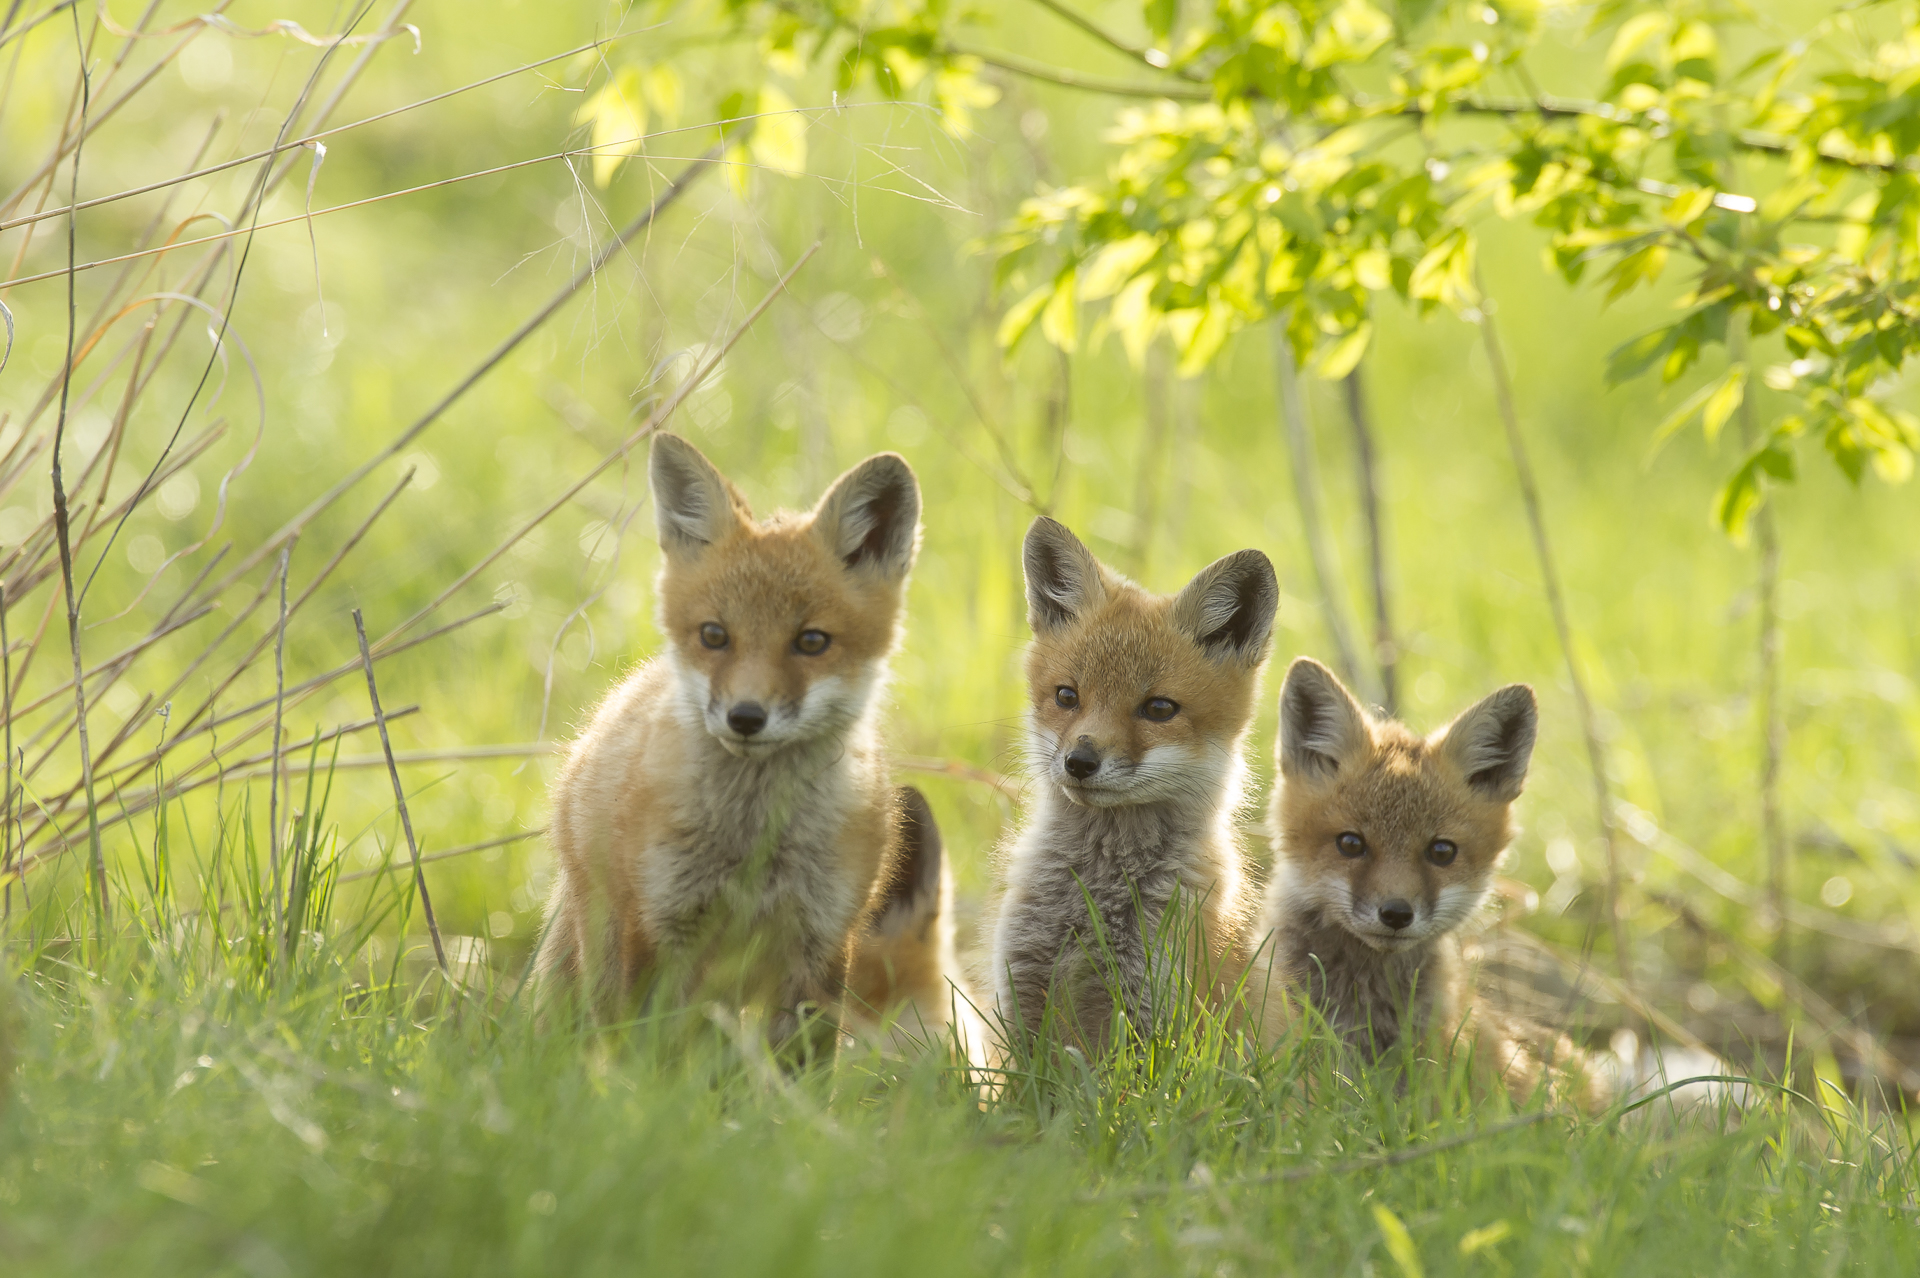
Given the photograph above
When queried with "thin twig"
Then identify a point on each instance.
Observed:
(399, 793)
(1563, 631)
(674, 191)
(1875, 1057)
(1291, 1175)
(6, 809)
(103, 908)
(1386, 653)
(1773, 727)
(1076, 80)
(1306, 491)
(295, 144)
(1640, 826)
(654, 421)
(464, 850)
(279, 707)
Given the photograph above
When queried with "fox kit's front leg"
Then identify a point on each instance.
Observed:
(723, 823)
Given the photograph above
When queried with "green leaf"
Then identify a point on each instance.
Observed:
(1399, 1242)
(1160, 15)
(779, 139)
(1060, 317)
(1633, 33)
(1723, 400)
(1020, 317)
(1688, 205)
(1339, 359)
(1630, 359)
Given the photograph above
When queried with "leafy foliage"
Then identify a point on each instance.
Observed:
(1308, 156)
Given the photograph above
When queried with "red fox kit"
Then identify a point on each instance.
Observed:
(1387, 844)
(906, 984)
(725, 823)
(1140, 706)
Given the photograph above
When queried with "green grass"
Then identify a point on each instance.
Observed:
(502, 1149)
(166, 1117)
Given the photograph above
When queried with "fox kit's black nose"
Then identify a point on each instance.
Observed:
(1396, 914)
(747, 718)
(1083, 761)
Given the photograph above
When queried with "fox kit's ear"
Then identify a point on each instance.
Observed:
(1492, 743)
(1322, 728)
(871, 516)
(1063, 578)
(1228, 607)
(693, 505)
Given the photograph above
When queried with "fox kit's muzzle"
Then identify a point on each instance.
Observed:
(747, 717)
(1083, 760)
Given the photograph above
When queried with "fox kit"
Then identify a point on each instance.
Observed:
(906, 987)
(1387, 844)
(725, 823)
(1140, 706)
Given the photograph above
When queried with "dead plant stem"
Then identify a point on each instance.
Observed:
(1563, 632)
(102, 907)
(279, 708)
(1773, 727)
(1306, 492)
(1386, 652)
(399, 793)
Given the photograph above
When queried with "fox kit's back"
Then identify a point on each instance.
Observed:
(725, 821)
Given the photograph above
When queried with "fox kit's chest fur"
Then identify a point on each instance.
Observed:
(763, 840)
(1085, 909)
(1139, 705)
(1373, 1001)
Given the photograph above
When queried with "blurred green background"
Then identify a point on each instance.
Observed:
(885, 340)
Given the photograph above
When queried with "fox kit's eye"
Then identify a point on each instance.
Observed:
(1351, 845)
(1066, 698)
(713, 635)
(1442, 852)
(1159, 709)
(812, 642)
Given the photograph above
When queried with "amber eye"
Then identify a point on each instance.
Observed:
(1442, 852)
(713, 635)
(812, 642)
(1351, 845)
(1159, 709)
(1066, 698)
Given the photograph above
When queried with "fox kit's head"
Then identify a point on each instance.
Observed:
(780, 629)
(1137, 697)
(1391, 836)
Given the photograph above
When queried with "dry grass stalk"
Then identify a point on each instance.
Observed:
(279, 707)
(1306, 492)
(1386, 652)
(399, 793)
(1563, 631)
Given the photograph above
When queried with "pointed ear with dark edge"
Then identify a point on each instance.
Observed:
(871, 516)
(1322, 728)
(1228, 607)
(1493, 742)
(912, 893)
(693, 505)
(1063, 578)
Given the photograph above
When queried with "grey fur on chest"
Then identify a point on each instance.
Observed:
(1373, 1000)
(756, 838)
(1119, 866)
